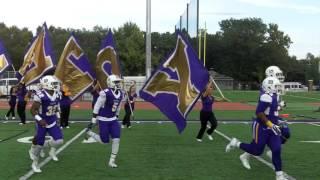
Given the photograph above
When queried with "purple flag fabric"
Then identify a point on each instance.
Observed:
(5, 61)
(38, 59)
(74, 70)
(107, 61)
(177, 83)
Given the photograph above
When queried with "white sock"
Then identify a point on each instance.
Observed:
(53, 143)
(238, 144)
(115, 147)
(95, 136)
(35, 149)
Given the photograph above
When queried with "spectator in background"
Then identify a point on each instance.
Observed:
(12, 103)
(22, 95)
(129, 105)
(65, 105)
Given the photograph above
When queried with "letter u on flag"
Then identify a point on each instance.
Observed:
(38, 58)
(74, 70)
(107, 61)
(5, 62)
(177, 83)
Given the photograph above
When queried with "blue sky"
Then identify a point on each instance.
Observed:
(297, 18)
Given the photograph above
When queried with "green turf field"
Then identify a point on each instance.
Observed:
(152, 150)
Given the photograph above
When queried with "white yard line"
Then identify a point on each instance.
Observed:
(270, 165)
(48, 159)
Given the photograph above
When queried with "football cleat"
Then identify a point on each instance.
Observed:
(244, 158)
(210, 137)
(52, 154)
(281, 176)
(199, 140)
(13, 118)
(112, 163)
(232, 144)
(35, 167)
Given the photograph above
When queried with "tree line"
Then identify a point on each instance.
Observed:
(242, 48)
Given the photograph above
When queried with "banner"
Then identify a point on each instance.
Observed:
(177, 83)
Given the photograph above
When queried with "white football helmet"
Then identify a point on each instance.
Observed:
(50, 83)
(114, 81)
(271, 85)
(275, 71)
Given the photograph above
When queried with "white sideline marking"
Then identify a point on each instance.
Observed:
(48, 159)
(303, 97)
(270, 165)
(314, 124)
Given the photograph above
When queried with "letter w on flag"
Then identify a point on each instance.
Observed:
(74, 70)
(107, 61)
(5, 62)
(38, 58)
(177, 83)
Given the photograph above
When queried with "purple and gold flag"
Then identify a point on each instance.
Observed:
(74, 70)
(107, 62)
(38, 58)
(5, 62)
(177, 83)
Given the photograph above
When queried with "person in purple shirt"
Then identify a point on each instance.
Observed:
(22, 94)
(206, 113)
(12, 103)
(265, 128)
(46, 112)
(106, 111)
(129, 105)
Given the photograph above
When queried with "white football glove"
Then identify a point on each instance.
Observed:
(93, 120)
(276, 129)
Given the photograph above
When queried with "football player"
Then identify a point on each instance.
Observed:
(265, 128)
(106, 111)
(45, 110)
(272, 71)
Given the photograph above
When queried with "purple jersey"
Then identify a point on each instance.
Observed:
(207, 103)
(268, 104)
(111, 100)
(49, 105)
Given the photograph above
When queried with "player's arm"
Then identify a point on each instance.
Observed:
(100, 103)
(265, 102)
(35, 111)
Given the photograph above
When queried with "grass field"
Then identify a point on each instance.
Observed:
(152, 150)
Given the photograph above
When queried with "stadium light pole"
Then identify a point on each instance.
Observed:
(148, 38)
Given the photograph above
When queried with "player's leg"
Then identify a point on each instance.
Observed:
(274, 144)
(102, 137)
(256, 147)
(203, 120)
(126, 117)
(214, 124)
(115, 131)
(56, 134)
(36, 147)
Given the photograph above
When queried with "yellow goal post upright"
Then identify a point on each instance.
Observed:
(203, 32)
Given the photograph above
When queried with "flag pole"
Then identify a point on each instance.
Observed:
(214, 82)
